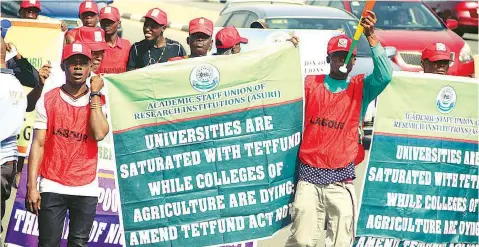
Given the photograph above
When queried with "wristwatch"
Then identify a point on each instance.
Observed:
(95, 94)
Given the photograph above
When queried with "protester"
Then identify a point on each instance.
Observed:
(94, 38)
(13, 104)
(199, 39)
(88, 14)
(436, 58)
(29, 77)
(228, 41)
(67, 116)
(155, 48)
(334, 107)
(116, 55)
(30, 9)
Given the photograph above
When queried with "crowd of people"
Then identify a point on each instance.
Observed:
(69, 119)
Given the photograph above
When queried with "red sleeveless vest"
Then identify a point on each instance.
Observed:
(331, 136)
(70, 154)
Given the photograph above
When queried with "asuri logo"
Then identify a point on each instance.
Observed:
(205, 77)
(446, 99)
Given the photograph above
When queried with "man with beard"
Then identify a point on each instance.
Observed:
(88, 14)
(116, 56)
(199, 40)
(67, 116)
(334, 106)
(436, 58)
(155, 48)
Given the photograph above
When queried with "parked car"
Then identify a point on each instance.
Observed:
(465, 12)
(66, 10)
(410, 26)
(294, 16)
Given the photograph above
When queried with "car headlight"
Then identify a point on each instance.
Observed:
(465, 55)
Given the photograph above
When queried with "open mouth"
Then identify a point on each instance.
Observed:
(77, 76)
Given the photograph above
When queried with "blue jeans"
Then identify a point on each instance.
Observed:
(51, 218)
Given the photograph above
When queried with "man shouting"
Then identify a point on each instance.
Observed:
(334, 107)
(69, 123)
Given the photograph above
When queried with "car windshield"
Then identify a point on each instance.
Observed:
(397, 15)
(344, 25)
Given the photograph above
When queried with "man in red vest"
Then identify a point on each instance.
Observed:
(334, 107)
(436, 58)
(199, 40)
(64, 154)
(88, 14)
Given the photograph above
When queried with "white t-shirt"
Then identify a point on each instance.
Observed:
(46, 185)
(13, 105)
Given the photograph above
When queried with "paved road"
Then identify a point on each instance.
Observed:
(471, 39)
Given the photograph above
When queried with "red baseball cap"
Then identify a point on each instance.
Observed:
(340, 43)
(436, 52)
(229, 37)
(93, 37)
(157, 15)
(110, 13)
(75, 48)
(201, 25)
(88, 6)
(30, 4)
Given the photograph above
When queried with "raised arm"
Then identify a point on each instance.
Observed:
(98, 124)
(376, 82)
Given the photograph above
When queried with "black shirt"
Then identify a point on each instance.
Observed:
(143, 53)
(24, 72)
